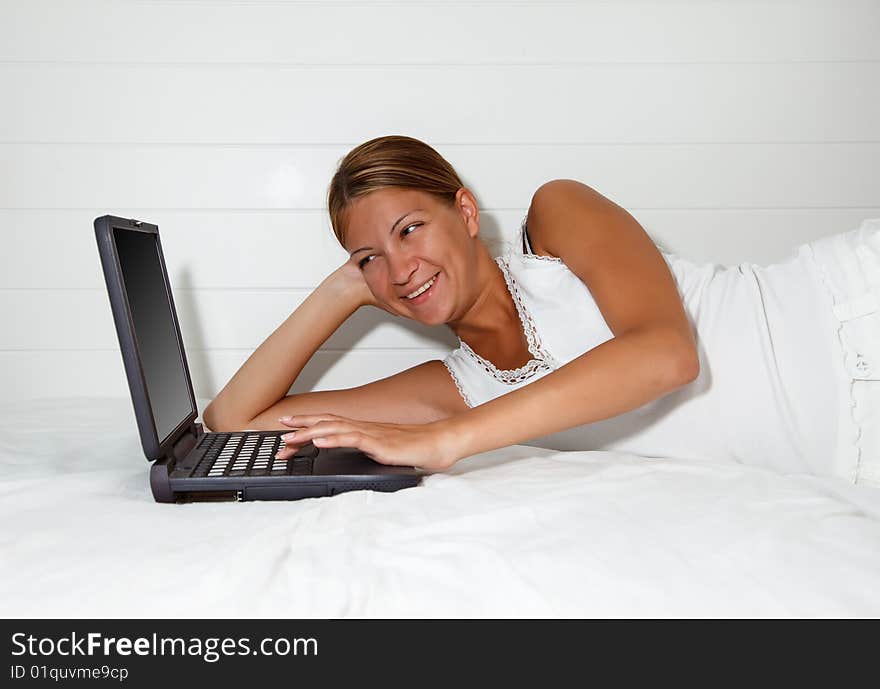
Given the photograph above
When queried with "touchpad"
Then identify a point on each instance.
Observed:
(307, 450)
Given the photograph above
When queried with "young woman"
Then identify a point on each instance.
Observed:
(584, 336)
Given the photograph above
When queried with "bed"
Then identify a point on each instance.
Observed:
(517, 532)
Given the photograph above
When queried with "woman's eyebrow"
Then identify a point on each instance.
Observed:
(396, 222)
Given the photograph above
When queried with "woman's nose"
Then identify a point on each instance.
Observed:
(401, 267)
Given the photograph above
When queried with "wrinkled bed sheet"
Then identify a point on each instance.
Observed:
(517, 532)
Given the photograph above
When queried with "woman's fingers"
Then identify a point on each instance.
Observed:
(318, 429)
(289, 446)
(305, 420)
(351, 439)
(356, 439)
(287, 451)
(292, 442)
(323, 430)
(420, 445)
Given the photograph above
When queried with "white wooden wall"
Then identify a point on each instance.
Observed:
(732, 130)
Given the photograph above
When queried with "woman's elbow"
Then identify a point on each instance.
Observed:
(218, 422)
(686, 367)
(209, 417)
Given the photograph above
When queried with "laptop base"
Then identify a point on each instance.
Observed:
(187, 473)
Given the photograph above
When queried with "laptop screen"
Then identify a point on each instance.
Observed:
(159, 348)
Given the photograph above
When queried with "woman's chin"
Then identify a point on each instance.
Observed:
(433, 321)
(428, 318)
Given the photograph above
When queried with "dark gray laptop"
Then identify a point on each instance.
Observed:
(189, 464)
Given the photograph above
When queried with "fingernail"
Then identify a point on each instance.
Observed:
(285, 418)
(288, 436)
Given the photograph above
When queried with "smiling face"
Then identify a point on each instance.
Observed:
(418, 255)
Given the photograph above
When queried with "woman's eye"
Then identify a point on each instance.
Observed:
(404, 232)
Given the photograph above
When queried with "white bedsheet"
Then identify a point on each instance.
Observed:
(518, 532)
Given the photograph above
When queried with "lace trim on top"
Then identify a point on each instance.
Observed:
(541, 359)
(461, 390)
(527, 247)
(538, 257)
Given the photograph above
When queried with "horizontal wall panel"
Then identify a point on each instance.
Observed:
(213, 319)
(609, 103)
(374, 32)
(28, 375)
(502, 177)
(731, 237)
(52, 249)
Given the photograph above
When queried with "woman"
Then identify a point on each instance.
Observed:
(585, 337)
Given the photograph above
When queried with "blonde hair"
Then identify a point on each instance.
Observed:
(388, 161)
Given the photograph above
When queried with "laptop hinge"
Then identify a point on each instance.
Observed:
(185, 443)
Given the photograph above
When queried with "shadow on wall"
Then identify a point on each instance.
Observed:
(492, 235)
(366, 320)
(192, 332)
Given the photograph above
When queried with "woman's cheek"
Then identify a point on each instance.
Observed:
(379, 288)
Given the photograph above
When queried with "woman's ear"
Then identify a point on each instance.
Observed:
(467, 205)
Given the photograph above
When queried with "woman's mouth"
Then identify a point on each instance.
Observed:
(423, 292)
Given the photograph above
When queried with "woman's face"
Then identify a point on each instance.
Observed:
(404, 240)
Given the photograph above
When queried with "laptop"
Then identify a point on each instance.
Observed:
(189, 464)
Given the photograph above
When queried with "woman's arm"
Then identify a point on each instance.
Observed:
(270, 371)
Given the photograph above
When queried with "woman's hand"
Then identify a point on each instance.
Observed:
(428, 446)
(350, 279)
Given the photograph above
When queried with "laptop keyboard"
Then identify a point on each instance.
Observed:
(249, 454)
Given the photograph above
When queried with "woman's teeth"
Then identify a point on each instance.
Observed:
(421, 289)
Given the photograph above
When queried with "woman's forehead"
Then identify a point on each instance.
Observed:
(382, 203)
(379, 211)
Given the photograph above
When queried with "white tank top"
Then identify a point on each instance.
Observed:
(771, 389)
